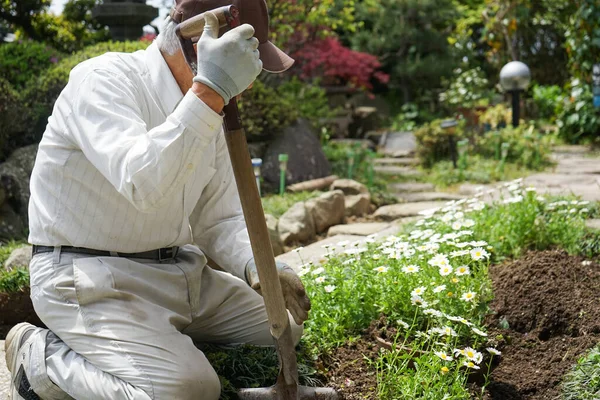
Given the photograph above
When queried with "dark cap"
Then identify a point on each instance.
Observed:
(253, 12)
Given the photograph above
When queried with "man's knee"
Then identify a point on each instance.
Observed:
(200, 383)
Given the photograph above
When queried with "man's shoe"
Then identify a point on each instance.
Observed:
(17, 352)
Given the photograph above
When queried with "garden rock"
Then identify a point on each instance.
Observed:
(357, 205)
(276, 243)
(306, 158)
(20, 257)
(327, 210)
(349, 187)
(11, 223)
(397, 143)
(396, 170)
(14, 179)
(410, 187)
(395, 211)
(427, 196)
(360, 229)
(316, 252)
(593, 224)
(296, 224)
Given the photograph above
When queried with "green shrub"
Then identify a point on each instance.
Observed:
(548, 101)
(309, 100)
(12, 118)
(41, 94)
(496, 117)
(468, 89)
(525, 146)
(434, 142)
(23, 61)
(265, 113)
(579, 121)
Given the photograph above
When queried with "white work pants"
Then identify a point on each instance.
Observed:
(124, 328)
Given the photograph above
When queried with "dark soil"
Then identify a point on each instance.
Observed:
(551, 304)
(14, 308)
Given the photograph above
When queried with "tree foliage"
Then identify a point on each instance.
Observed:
(409, 37)
(583, 39)
(68, 32)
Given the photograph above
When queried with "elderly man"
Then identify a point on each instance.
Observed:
(132, 189)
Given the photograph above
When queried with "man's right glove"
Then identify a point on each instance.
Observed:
(230, 63)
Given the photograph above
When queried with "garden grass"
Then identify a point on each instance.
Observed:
(277, 205)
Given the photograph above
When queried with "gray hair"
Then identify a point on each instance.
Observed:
(167, 40)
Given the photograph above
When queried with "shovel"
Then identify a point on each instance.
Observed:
(286, 387)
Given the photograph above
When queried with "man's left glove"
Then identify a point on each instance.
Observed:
(296, 300)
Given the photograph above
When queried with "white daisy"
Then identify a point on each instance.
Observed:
(462, 270)
(320, 279)
(381, 269)
(445, 270)
(318, 271)
(329, 288)
(493, 351)
(418, 291)
(439, 289)
(410, 269)
(479, 332)
(468, 296)
(478, 254)
(443, 356)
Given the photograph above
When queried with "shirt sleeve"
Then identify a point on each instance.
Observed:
(217, 221)
(148, 167)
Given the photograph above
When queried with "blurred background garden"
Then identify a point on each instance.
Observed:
(363, 69)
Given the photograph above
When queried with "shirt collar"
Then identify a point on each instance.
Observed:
(164, 83)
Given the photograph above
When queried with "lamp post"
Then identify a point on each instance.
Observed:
(449, 125)
(514, 78)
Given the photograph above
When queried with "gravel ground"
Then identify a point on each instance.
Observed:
(4, 374)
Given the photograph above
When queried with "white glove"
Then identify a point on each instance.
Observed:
(296, 300)
(228, 64)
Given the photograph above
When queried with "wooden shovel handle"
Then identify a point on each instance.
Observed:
(255, 220)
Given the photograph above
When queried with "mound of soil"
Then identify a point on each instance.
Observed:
(549, 301)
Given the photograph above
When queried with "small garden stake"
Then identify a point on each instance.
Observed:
(256, 164)
(283, 160)
(350, 163)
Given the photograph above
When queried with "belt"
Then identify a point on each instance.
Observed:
(166, 253)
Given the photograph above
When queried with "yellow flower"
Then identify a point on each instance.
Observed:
(444, 370)
(454, 280)
(449, 294)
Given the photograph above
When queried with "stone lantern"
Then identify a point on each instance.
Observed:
(125, 18)
(514, 78)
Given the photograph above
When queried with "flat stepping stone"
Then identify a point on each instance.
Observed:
(396, 170)
(395, 211)
(395, 161)
(399, 141)
(315, 252)
(571, 149)
(593, 224)
(359, 229)
(410, 187)
(578, 165)
(428, 196)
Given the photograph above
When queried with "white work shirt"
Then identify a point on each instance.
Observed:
(129, 164)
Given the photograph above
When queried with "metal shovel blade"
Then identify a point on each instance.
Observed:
(273, 393)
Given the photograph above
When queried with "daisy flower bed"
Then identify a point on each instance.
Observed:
(435, 314)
